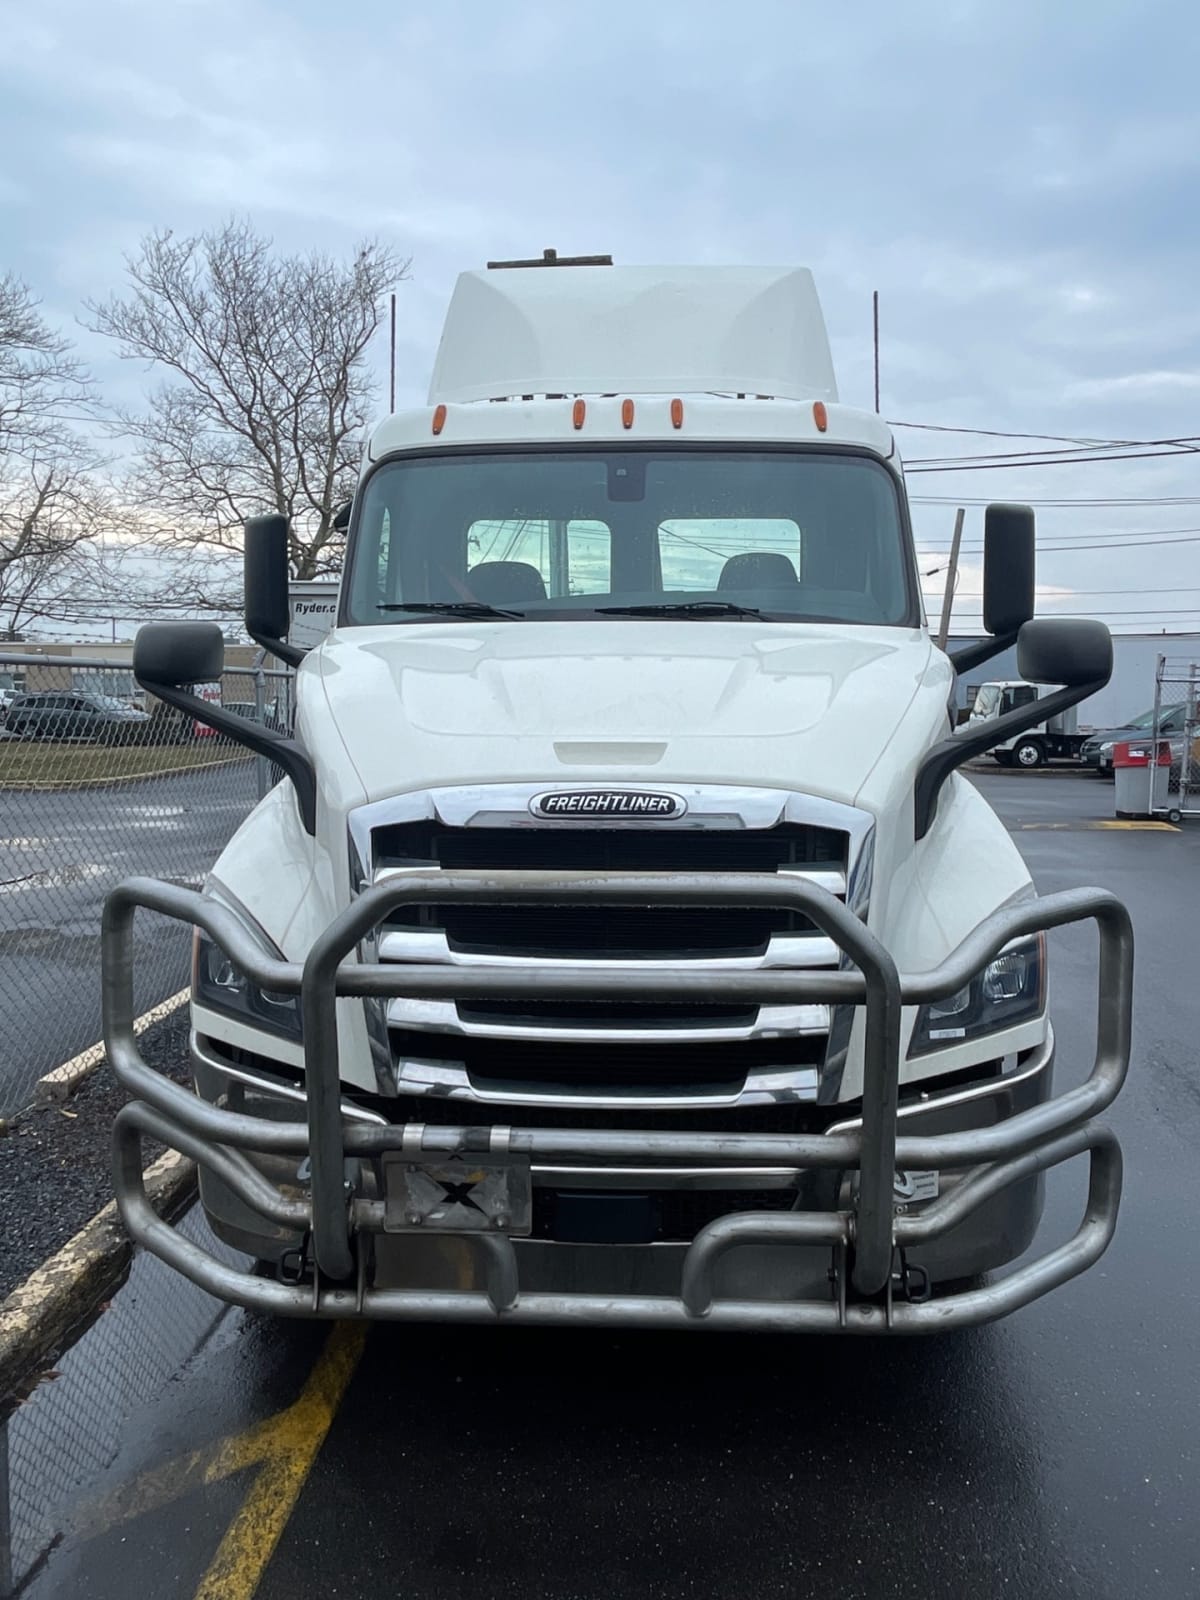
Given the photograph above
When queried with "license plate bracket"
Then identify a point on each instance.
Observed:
(457, 1194)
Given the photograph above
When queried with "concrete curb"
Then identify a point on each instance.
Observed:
(57, 1302)
(80, 785)
(1048, 771)
(60, 1084)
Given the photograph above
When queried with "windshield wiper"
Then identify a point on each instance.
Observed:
(682, 608)
(453, 608)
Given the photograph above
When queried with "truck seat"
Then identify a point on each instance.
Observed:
(758, 569)
(503, 582)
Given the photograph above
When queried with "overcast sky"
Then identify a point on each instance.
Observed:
(1019, 181)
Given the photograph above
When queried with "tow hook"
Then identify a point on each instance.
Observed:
(296, 1264)
(909, 1282)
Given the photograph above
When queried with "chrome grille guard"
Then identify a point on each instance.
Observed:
(862, 1239)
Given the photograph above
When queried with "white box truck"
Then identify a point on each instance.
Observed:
(1058, 738)
(622, 944)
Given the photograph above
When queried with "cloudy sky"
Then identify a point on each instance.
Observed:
(1018, 181)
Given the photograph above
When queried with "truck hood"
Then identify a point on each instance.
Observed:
(806, 706)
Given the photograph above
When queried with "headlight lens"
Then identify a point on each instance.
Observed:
(1010, 989)
(221, 986)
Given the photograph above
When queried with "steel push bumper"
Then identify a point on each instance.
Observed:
(863, 1239)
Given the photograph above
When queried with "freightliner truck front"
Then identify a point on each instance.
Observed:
(622, 943)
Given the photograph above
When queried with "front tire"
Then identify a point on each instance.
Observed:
(1029, 754)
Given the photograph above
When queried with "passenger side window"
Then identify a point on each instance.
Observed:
(693, 552)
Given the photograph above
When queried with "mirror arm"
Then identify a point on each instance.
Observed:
(284, 752)
(974, 655)
(975, 739)
(290, 654)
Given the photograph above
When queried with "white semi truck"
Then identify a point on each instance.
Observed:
(622, 943)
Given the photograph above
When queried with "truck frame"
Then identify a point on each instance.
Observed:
(583, 967)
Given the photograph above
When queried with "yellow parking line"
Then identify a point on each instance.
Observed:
(287, 1445)
(1086, 827)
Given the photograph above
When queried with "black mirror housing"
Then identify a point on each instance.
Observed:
(1066, 650)
(179, 653)
(265, 582)
(1009, 560)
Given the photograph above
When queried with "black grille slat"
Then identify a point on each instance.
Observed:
(595, 849)
(629, 932)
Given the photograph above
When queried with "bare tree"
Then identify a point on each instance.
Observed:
(49, 500)
(52, 510)
(267, 392)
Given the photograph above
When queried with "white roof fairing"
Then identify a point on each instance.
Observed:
(634, 330)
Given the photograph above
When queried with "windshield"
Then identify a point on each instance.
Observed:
(583, 533)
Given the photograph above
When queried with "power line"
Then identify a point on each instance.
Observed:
(1102, 502)
(1000, 433)
(979, 465)
(1143, 543)
(1076, 593)
(1184, 445)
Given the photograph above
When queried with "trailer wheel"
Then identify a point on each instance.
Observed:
(1175, 816)
(1029, 754)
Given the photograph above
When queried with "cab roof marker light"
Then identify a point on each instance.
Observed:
(578, 413)
(439, 419)
(627, 413)
(677, 413)
(820, 415)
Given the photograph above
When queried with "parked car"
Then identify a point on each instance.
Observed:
(93, 718)
(1097, 747)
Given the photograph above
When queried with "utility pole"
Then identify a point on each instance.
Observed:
(951, 579)
(875, 315)
(392, 363)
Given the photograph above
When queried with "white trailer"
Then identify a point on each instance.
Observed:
(622, 943)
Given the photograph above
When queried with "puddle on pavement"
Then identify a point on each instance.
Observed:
(55, 1447)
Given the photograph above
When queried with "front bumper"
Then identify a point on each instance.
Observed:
(839, 1267)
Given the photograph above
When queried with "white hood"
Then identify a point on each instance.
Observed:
(805, 707)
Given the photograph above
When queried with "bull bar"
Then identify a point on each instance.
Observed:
(863, 1238)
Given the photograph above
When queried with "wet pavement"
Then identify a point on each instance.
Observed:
(1054, 1454)
(60, 855)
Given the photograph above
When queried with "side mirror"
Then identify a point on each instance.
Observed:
(1008, 568)
(1066, 650)
(342, 519)
(265, 582)
(1070, 651)
(169, 658)
(179, 653)
(1009, 562)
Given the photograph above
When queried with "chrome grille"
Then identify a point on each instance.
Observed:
(556, 1050)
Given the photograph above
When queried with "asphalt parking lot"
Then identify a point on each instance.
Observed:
(1054, 1454)
(60, 854)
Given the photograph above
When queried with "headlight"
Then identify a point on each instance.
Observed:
(221, 986)
(1106, 749)
(1010, 989)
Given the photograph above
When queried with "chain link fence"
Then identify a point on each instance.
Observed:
(99, 781)
(1177, 724)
